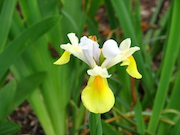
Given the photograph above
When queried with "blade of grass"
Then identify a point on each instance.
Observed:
(6, 96)
(129, 31)
(139, 118)
(108, 129)
(5, 21)
(35, 98)
(168, 64)
(172, 104)
(176, 129)
(38, 106)
(9, 128)
(16, 47)
(54, 98)
(26, 86)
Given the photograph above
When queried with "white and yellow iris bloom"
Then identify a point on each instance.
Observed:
(97, 97)
(123, 53)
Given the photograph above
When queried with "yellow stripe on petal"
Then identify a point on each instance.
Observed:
(63, 59)
(97, 97)
(132, 68)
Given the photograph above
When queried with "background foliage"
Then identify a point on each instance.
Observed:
(30, 34)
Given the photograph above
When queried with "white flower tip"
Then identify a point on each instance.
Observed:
(71, 34)
(73, 38)
(136, 48)
(128, 40)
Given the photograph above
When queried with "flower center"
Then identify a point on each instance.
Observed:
(94, 38)
(98, 83)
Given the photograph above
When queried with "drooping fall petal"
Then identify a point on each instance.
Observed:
(132, 68)
(97, 97)
(63, 59)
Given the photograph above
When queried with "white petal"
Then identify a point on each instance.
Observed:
(74, 40)
(75, 51)
(97, 70)
(70, 48)
(130, 52)
(96, 51)
(86, 44)
(105, 63)
(104, 73)
(89, 58)
(125, 45)
(115, 61)
(110, 49)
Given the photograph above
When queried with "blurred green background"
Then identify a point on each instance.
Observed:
(31, 32)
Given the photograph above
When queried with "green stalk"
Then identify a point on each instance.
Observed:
(39, 107)
(172, 49)
(95, 124)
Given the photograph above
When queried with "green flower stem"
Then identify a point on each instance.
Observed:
(95, 124)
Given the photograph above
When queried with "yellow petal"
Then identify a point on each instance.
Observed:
(97, 97)
(63, 59)
(132, 68)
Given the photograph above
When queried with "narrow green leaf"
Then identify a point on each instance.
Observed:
(173, 103)
(176, 129)
(26, 86)
(40, 109)
(108, 129)
(5, 21)
(9, 128)
(139, 118)
(129, 31)
(17, 46)
(6, 97)
(168, 65)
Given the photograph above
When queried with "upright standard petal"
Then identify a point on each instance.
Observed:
(90, 50)
(125, 45)
(74, 40)
(63, 59)
(97, 97)
(110, 49)
(132, 68)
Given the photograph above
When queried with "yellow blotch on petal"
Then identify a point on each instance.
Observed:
(97, 97)
(63, 59)
(132, 68)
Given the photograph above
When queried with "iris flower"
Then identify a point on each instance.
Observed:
(97, 96)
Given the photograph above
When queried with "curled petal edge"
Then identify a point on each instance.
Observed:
(132, 67)
(65, 58)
